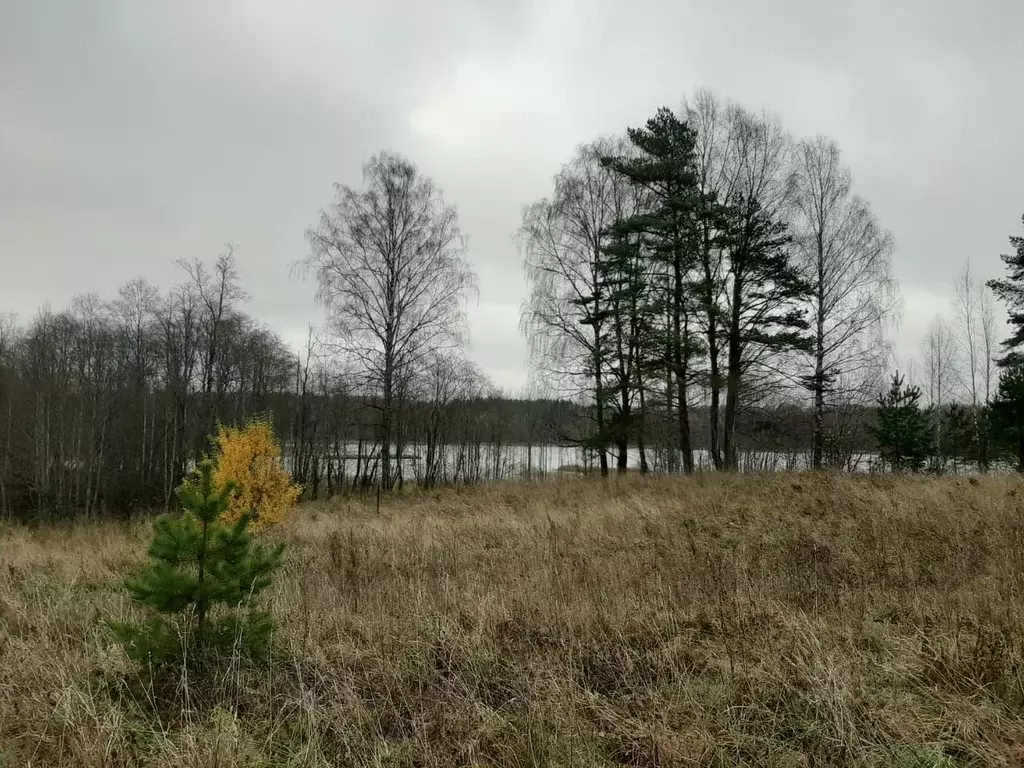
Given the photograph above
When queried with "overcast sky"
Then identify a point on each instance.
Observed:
(135, 132)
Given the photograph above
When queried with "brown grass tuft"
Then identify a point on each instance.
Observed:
(780, 620)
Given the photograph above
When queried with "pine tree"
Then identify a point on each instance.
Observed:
(664, 167)
(902, 429)
(1011, 291)
(634, 340)
(201, 582)
(1006, 423)
(765, 314)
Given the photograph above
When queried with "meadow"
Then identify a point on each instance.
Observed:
(747, 620)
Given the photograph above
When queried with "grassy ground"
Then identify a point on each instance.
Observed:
(786, 620)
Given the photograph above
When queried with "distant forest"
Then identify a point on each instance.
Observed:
(705, 292)
(104, 405)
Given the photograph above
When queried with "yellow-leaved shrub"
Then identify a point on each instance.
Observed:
(250, 457)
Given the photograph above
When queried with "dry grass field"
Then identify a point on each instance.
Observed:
(784, 620)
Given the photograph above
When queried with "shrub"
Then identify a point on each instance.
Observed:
(201, 582)
(249, 457)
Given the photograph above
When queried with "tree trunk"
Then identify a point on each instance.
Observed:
(818, 436)
(681, 330)
(602, 451)
(622, 446)
(623, 427)
(386, 479)
(201, 602)
(712, 338)
(641, 424)
(818, 384)
(734, 370)
(670, 402)
(683, 412)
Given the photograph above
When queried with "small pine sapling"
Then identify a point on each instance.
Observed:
(202, 580)
(902, 429)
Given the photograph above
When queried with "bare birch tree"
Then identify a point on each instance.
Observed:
(391, 273)
(847, 257)
(938, 354)
(566, 317)
(742, 160)
(969, 333)
(989, 342)
(717, 171)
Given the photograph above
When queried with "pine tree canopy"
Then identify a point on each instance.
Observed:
(1007, 415)
(1010, 290)
(903, 430)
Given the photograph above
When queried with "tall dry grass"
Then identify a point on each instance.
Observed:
(783, 620)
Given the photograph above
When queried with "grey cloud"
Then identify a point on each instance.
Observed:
(135, 133)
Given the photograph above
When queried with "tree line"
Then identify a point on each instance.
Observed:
(107, 405)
